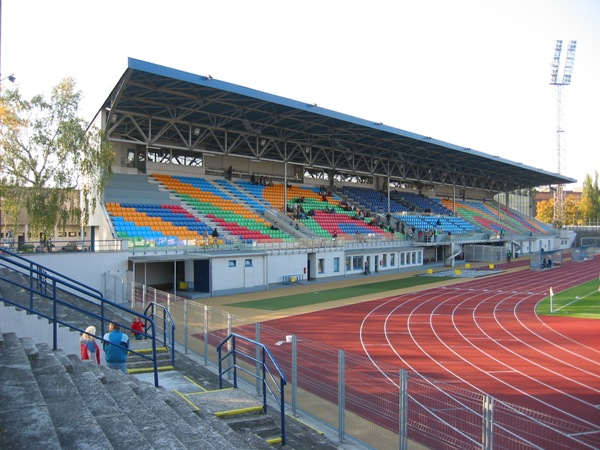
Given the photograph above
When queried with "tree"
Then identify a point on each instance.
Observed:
(571, 210)
(545, 211)
(589, 206)
(51, 163)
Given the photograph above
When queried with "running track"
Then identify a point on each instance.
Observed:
(483, 335)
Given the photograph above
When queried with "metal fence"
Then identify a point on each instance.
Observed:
(379, 405)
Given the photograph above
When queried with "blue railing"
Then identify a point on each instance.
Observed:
(264, 359)
(165, 323)
(46, 271)
(47, 284)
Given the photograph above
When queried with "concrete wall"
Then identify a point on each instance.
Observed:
(40, 330)
(87, 267)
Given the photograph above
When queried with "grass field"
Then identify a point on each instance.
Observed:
(581, 301)
(328, 295)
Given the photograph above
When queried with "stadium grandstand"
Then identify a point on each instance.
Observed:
(203, 164)
(220, 189)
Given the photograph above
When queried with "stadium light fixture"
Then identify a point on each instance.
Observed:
(10, 78)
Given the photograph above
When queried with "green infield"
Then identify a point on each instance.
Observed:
(580, 301)
(328, 295)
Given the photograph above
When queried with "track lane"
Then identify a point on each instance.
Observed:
(483, 334)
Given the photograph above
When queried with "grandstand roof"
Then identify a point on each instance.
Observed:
(160, 107)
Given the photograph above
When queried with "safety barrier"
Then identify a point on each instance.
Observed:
(293, 279)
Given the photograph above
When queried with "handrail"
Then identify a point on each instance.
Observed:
(168, 326)
(48, 286)
(234, 352)
(53, 272)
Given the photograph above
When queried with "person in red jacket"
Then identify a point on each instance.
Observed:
(89, 347)
(137, 328)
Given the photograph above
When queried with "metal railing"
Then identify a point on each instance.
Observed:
(265, 364)
(44, 271)
(45, 287)
(383, 407)
(165, 323)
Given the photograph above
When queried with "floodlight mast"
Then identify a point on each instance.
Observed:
(560, 79)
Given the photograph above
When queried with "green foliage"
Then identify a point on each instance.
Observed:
(48, 157)
(571, 209)
(588, 205)
(545, 211)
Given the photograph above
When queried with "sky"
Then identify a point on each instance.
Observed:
(474, 73)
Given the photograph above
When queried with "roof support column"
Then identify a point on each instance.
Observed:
(454, 200)
(389, 208)
(285, 182)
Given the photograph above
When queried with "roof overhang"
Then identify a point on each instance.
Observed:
(160, 107)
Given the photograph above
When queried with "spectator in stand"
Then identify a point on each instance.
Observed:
(89, 348)
(137, 328)
(215, 237)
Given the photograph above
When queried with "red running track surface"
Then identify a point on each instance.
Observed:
(483, 335)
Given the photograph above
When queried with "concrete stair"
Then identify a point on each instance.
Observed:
(54, 401)
(137, 363)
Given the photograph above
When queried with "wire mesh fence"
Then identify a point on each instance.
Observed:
(382, 406)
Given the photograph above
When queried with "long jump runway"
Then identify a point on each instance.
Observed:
(483, 335)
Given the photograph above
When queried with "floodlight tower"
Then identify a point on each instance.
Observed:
(561, 77)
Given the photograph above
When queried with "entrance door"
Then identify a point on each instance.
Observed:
(202, 275)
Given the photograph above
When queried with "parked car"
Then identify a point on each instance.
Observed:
(70, 247)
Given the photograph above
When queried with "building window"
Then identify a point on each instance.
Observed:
(248, 263)
(336, 264)
(321, 266)
(232, 263)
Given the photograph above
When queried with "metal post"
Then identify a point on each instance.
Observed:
(175, 277)
(257, 349)
(294, 376)
(341, 395)
(123, 290)
(487, 433)
(205, 335)
(185, 325)
(230, 342)
(403, 411)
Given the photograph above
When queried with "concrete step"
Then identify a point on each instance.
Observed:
(124, 392)
(262, 425)
(73, 422)
(90, 381)
(24, 416)
(228, 405)
(136, 362)
(159, 420)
